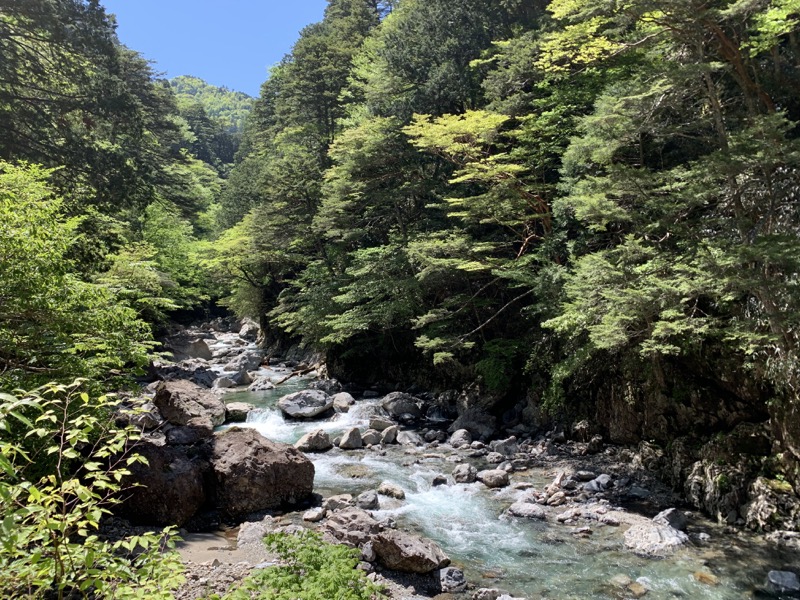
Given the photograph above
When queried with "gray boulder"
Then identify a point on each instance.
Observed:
(452, 580)
(408, 553)
(195, 370)
(380, 423)
(493, 478)
(460, 437)
(464, 473)
(181, 401)
(249, 330)
(672, 517)
(371, 437)
(652, 539)
(399, 403)
(306, 404)
(505, 447)
(223, 383)
(315, 441)
(196, 430)
(783, 583)
(351, 439)
(389, 435)
(261, 384)
(252, 473)
(368, 500)
(392, 490)
(329, 386)
(352, 526)
(527, 510)
(247, 361)
(342, 402)
(236, 412)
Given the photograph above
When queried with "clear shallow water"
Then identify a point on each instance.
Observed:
(527, 558)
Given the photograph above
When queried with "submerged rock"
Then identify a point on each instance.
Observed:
(306, 404)
(783, 582)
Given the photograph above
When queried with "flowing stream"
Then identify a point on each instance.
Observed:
(527, 558)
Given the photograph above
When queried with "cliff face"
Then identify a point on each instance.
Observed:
(730, 447)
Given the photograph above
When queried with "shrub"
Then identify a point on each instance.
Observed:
(61, 467)
(313, 570)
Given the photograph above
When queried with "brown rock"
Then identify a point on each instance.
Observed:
(169, 489)
(402, 551)
(252, 473)
(181, 401)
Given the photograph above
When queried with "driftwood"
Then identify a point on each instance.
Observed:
(295, 374)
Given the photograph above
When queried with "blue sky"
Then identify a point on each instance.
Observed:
(225, 42)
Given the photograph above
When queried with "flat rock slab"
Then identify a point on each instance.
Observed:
(653, 539)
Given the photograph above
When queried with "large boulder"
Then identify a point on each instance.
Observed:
(166, 491)
(185, 346)
(464, 473)
(261, 384)
(352, 526)
(314, 441)
(399, 403)
(460, 437)
(252, 473)
(247, 361)
(409, 553)
(195, 370)
(196, 430)
(249, 330)
(329, 386)
(181, 401)
(306, 404)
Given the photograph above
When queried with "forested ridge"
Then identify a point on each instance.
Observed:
(572, 209)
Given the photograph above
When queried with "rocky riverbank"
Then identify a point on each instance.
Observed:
(567, 480)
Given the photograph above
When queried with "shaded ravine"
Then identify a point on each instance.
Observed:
(527, 558)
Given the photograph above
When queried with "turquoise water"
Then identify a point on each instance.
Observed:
(527, 558)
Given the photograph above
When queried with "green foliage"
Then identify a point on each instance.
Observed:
(313, 570)
(61, 469)
(53, 324)
(229, 107)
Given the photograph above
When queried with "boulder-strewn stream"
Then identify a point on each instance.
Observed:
(540, 522)
(526, 557)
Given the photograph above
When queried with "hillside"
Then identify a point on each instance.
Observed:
(219, 102)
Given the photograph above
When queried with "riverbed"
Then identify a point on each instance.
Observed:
(527, 558)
